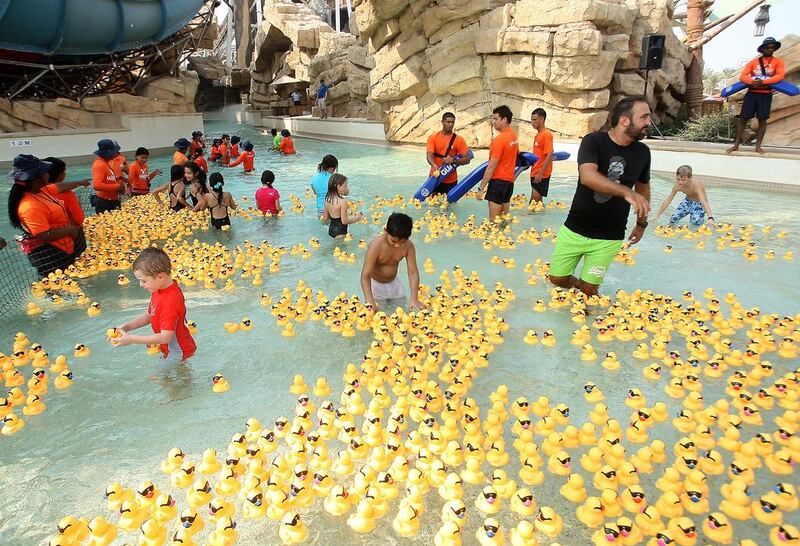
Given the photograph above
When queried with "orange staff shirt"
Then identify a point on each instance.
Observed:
(43, 211)
(774, 72)
(542, 145)
(437, 144)
(505, 148)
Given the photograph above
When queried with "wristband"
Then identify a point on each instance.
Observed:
(710, 217)
(642, 224)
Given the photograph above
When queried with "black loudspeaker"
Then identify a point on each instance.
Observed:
(652, 51)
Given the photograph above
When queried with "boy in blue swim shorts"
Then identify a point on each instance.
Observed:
(695, 203)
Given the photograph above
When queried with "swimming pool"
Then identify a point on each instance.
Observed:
(116, 425)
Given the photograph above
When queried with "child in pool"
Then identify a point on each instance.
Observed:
(268, 200)
(695, 204)
(335, 209)
(166, 313)
(246, 158)
(379, 280)
(217, 202)
(287, 144)
(319, 184)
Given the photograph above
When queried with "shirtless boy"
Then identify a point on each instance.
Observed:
(379, 280)
(695, 204)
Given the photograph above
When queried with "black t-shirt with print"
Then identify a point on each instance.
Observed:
(598, 215)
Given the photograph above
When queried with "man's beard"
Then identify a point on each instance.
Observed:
(635, 133)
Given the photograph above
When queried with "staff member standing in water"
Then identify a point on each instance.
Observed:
(443, 147)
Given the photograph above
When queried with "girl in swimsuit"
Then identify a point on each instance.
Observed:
(196, 180)
(217, 202)
(336, 207)
(176, 189)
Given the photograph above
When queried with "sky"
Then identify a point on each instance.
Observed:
(736, 44)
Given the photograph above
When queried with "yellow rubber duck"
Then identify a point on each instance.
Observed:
(490, 534)
(592, 394)
(208, 464)
(152, 533)
(652, 371)
(224, 533)
(33, 309)
(64, 379)
(131, 516)
(245, 324)
(94, 309)
(363, 520)
(449, 534)
(717, 527)
(183, 476)
(101, 532)
(588, 354)
(531, 338)
(292, 529)
(173, 461)
(231, 327)
(522, 502)
(784, 535)
(122, 280)
(12, 424)
(321, 387)
(33, 405)
(219, 384)
(82, 351)
(610, 362)
(548, 338)
(548, 522)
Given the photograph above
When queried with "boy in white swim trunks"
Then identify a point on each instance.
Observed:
(694, 205)
(379, 280)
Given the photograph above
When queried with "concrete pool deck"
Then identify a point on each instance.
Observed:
(776, 171)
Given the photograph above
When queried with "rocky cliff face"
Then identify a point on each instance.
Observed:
(293, 41)
(160, 95)
(574, 58)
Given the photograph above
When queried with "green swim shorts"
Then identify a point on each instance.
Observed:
(570, 247)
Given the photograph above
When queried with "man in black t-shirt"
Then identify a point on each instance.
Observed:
(613, 175)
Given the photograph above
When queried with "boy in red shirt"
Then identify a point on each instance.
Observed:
(166, 313)
(497, 185)
(543, 149)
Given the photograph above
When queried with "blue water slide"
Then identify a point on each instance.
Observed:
(524, 161)
(433, 180)
(90, 27)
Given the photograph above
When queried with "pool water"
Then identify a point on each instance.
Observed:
(125, 411)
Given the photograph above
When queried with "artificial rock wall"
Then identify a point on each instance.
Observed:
(574, 58)
(159, 95)
(294, 41)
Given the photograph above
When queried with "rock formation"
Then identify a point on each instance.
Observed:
(574, 58)
(159, 95)
(294, 41)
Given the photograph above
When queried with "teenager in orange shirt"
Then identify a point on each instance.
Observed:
(497, 185)
(225, 150)
(442, 148)
(139, 175)
(198, 141)
(759, 74)
(107, 181)
(199, 159)
(182, 146)
(543, 149)
(246, 158)
(287, 144)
